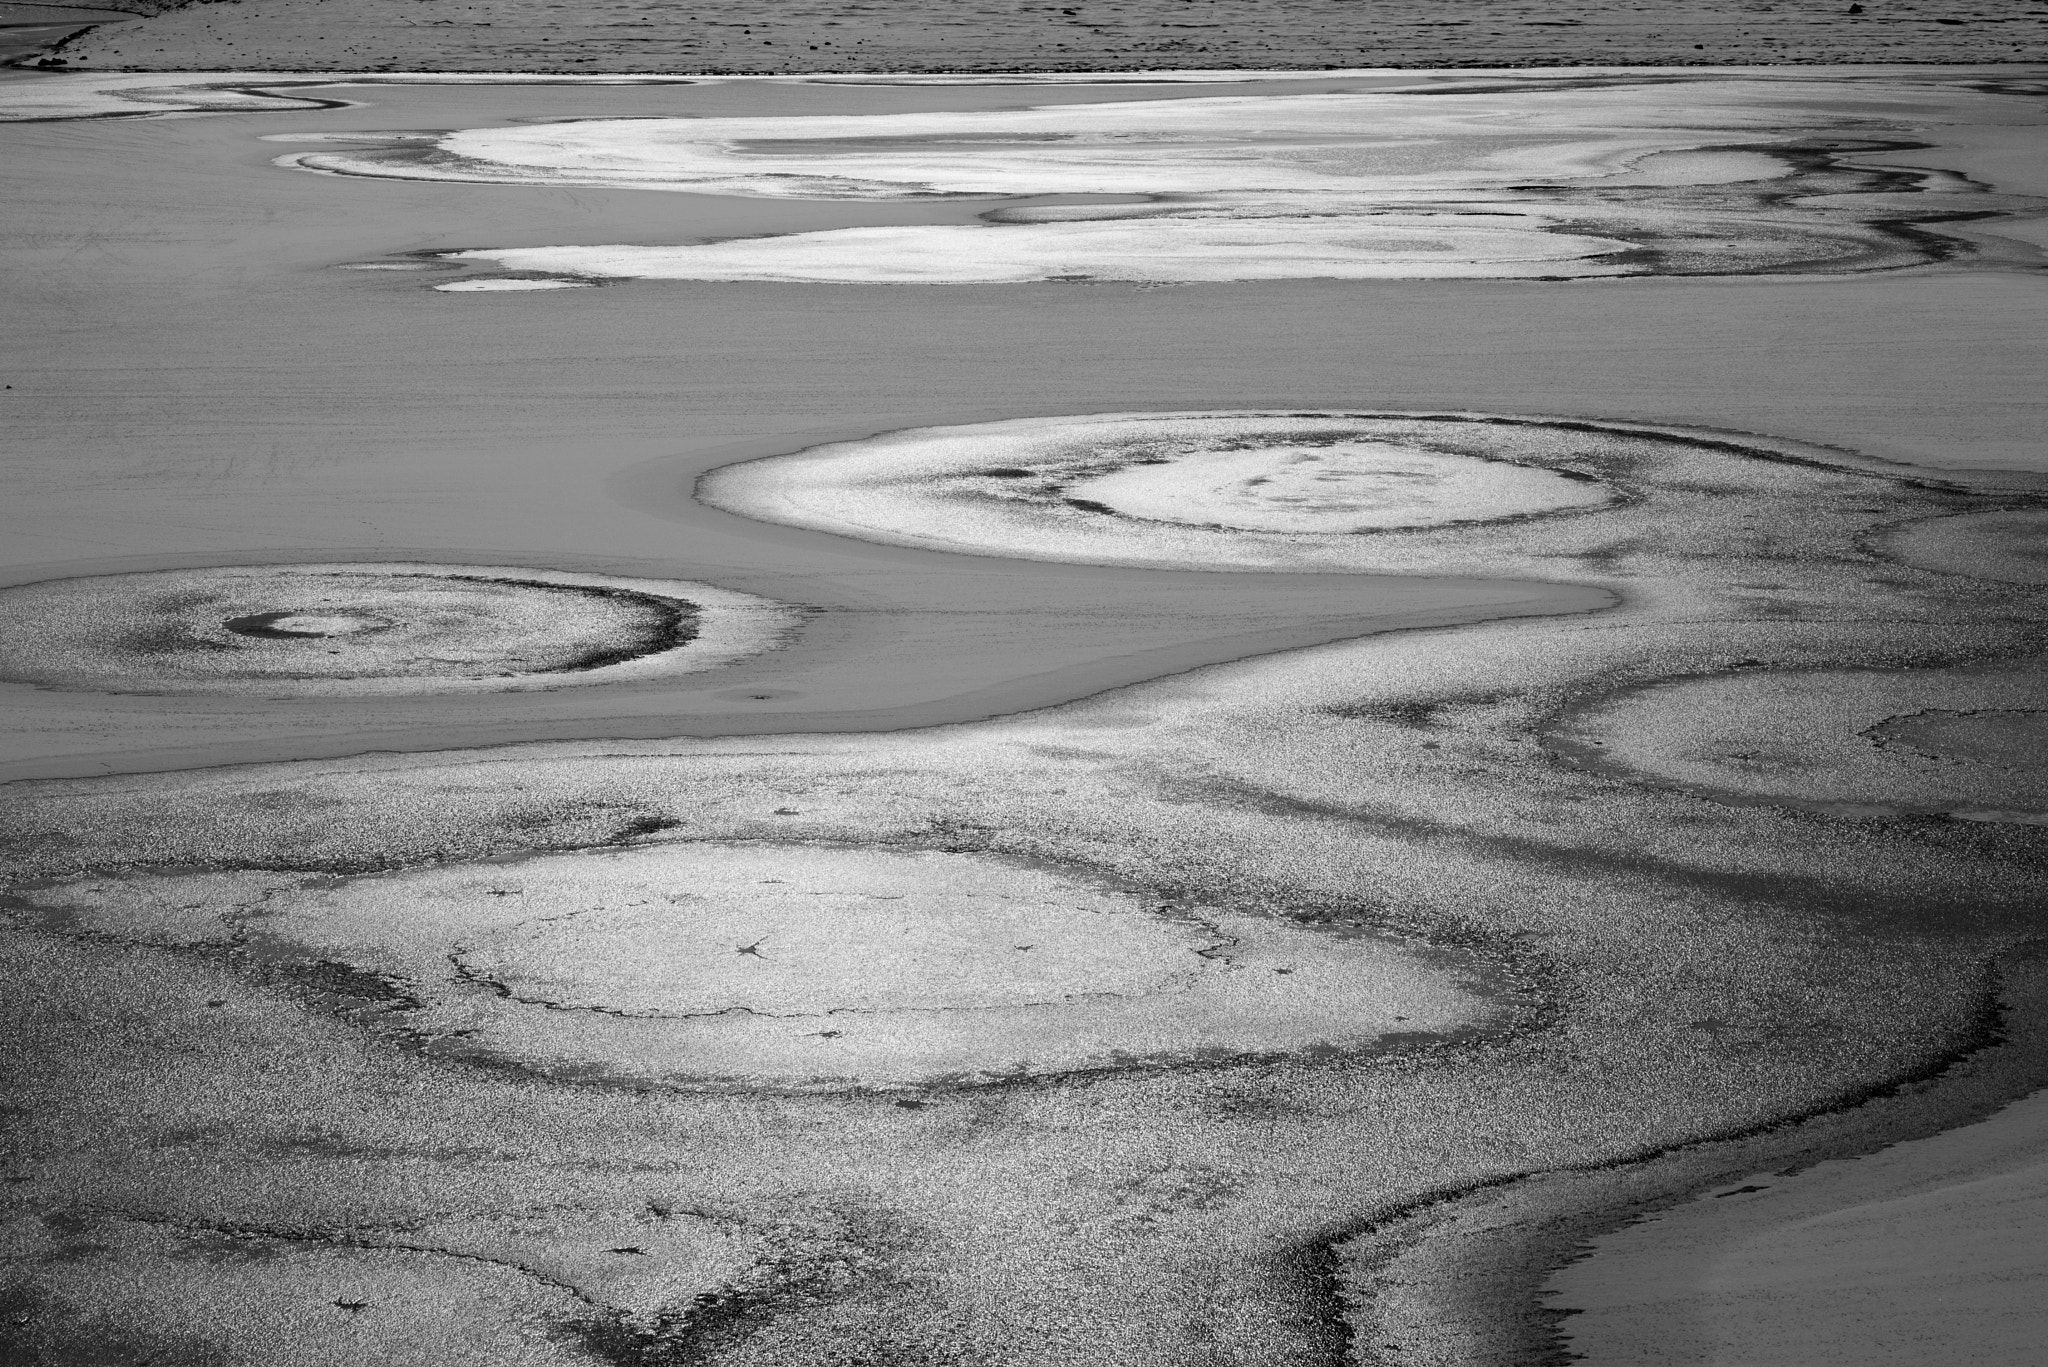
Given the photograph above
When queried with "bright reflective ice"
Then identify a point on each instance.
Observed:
(1200, 490)
(1534, 177)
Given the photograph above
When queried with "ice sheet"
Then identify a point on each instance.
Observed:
(1543, 178)
(1160, 249)
(1374, 143)
(832, 966)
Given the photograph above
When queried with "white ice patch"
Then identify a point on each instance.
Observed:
(1544, 178)
(1203, 490)
(821, 966)
(500, 286)
(1154, 249)
(1346, 487)
(1373, 143)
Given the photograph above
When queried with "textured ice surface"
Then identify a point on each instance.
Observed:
(1541, 177)
(1320, 144)
(1965, 743)
(1281, 490)
(817, 965)
(101, 94)
(370, 628)
(2010, 545)
(1341, 487)
(112, 1290)
(1697, 968)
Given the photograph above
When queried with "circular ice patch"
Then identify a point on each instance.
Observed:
(367, 628)
(809, 951)
(1341, 487)
(286, 626)
(835, 966)
(1229, 490)
(1969, 743)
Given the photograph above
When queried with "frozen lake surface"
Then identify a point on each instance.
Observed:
(1238, 809)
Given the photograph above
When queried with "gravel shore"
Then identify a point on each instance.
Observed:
(1012, 35)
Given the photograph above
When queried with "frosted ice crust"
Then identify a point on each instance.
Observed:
(816, 966)
(370, 629)
(1968, 743)
(1229, 490)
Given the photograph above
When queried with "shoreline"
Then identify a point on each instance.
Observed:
(1564, 1262)
(991, 37)
(1831, 1257)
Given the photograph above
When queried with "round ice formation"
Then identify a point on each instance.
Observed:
(1283, 490)
(1969, 743)
(808, 965)
(805, 952)
(375, 628)
(1341, 487)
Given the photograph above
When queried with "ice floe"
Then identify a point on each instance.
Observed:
(1284, 490)
(1158, 249)
(499, 285)
(1539, 177)
(370, 628)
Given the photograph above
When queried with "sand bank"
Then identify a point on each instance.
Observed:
(28, 30)
(1003, 35)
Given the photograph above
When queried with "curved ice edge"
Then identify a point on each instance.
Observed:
(752, 489)
(735, 625)
(1161, 250)
(1521, 1255)
(1504, 989)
